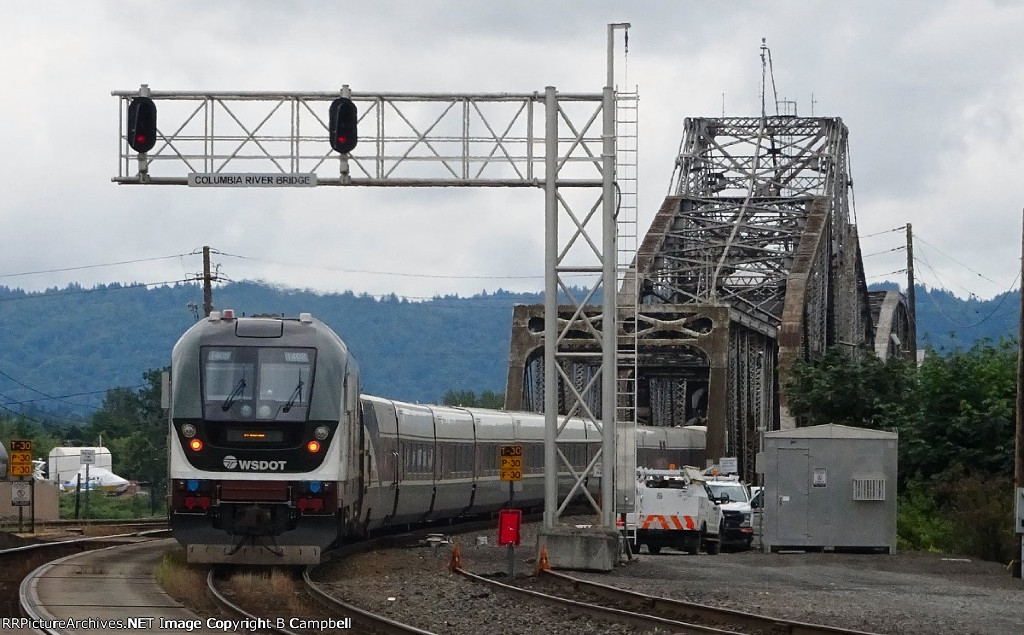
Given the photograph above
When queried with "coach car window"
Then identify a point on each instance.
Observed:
(257, 384)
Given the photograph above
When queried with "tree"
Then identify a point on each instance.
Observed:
(133, 425)
(469, 399)
(967, 415)
(861, 390)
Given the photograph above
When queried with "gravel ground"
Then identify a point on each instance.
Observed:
(914, 592)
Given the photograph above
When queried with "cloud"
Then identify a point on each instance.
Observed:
(929, 91)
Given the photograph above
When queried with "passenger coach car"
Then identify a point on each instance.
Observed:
(276, 456)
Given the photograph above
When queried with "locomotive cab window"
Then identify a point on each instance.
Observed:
(256, 384)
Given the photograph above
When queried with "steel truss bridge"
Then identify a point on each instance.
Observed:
(751, 263)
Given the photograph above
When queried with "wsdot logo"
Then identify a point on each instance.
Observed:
(231, 463)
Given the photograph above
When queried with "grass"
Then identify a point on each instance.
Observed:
(100, 505)
(269, 588)
(184, 582)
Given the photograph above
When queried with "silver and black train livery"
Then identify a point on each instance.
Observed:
(275, 456)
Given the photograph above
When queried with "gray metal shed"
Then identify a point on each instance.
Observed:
(829, 486)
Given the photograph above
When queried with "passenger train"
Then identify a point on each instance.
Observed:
(276, 456)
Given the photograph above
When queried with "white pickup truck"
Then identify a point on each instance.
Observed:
(674, 509)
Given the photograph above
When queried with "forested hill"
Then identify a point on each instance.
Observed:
(60, 350)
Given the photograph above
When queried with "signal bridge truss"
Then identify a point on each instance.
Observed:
(564, 144)
(420, 140)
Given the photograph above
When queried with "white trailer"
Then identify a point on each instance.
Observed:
(65, 462)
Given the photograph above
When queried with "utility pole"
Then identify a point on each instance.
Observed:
(1018, 454)
(911, 301)
(207, 283)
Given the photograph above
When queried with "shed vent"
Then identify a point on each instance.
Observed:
(869, 489)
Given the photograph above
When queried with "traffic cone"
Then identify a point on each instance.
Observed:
(542, 562)
(456, 562)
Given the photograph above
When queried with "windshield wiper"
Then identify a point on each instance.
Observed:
(235, 394)
(296, 396)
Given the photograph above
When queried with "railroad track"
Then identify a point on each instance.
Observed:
(254, 623)
(365, 619)
(347, 616)
(656, 613)
(109, 589)
(18, 562)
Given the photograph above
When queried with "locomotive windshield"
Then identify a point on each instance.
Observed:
(256, 384)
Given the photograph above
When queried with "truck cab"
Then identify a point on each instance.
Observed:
(674, 508)
(734, 498)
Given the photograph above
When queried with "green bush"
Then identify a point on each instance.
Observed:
(980, 509)
(920, 524)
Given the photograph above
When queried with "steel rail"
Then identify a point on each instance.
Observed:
(680, 609)
(74, 541)
(367, 620)
(28, 598)
(227, 605)
(639, 620)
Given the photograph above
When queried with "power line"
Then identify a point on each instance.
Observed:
(887, 231)
(986, 318)
(36, 390)
(108, 264)
(887, 251)
(980, 275)
(882, 275)
(25, 416)
(123, 287)
(399, 274)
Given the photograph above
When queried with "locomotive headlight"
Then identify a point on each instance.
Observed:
(188, 430)
(321, 432)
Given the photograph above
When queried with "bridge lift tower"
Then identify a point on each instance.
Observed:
(564, 143)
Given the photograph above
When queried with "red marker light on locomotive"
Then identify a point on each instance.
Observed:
(313, 446)
(196, 445)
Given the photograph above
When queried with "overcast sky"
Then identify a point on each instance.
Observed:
(932, 92)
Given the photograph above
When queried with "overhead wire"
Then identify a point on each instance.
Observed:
(96, 266)
(954, 322)
(35, 295)
(980, 275)
(399, 274)
(47, 396)
(887, 231)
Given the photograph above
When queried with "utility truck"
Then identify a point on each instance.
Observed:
(674, 508)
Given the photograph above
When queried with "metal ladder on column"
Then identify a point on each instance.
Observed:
(626, 122)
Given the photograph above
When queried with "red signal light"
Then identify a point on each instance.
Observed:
(141, 124)
(343, 125)
(313, 446)
(196, 445)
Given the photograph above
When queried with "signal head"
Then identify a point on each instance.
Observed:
(343, 125)
(142, 124)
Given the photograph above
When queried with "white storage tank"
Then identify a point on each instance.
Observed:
(829, 487)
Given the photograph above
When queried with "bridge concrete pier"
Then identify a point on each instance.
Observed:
(580, 548)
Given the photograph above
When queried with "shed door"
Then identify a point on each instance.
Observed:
(794, 478)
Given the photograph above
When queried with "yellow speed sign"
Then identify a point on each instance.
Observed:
(510, 462)
(21, 458)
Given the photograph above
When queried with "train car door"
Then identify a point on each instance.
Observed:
(382, 469)
(417, 453)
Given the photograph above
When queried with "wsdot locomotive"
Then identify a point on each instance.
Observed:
(276, 456)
